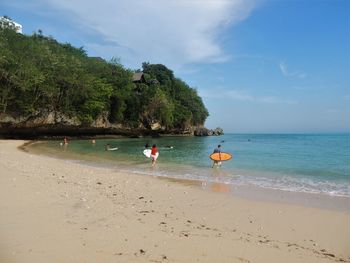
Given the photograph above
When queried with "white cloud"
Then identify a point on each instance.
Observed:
(285, 71)
(276, 100)
(241, 95)
(238, 95)
(173, 32)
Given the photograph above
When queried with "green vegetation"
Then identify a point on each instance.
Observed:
(39, 74)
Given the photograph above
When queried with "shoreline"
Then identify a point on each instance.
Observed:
(250, 192)
(68, 212)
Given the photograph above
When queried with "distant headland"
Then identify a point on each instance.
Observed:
(55, 89)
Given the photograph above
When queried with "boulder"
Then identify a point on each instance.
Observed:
(218, 131)
(156, 126)
(202, 131)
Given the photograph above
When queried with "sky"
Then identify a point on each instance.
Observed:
(260, 66)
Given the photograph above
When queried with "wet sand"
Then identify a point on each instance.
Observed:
(53, 210)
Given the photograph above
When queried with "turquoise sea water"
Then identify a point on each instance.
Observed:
(314, 163)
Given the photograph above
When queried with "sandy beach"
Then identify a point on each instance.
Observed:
(54, 210)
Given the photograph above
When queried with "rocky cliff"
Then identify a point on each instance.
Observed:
(55, 124)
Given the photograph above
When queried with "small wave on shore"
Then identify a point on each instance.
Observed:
(294, 163)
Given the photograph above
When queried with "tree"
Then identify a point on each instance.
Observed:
(39, 74)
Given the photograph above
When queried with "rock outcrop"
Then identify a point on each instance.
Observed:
(202, 131)
(51, 124)
(218, 131)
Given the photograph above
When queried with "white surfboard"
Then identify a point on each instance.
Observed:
(113, 149)
(147, 153)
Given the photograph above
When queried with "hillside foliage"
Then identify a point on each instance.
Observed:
(38, 73)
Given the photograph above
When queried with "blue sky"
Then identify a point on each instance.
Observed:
(259, 65)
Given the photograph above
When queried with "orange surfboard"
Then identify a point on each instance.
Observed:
(220, 156)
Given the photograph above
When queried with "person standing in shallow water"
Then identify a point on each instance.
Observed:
(154, 156)
(217, 150)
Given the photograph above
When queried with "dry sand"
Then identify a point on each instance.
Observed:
(54, 210)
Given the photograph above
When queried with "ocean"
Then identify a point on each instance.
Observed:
(310, 163)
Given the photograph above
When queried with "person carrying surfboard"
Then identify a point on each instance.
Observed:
(154, 155)
(218, 156)
(217, 150)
